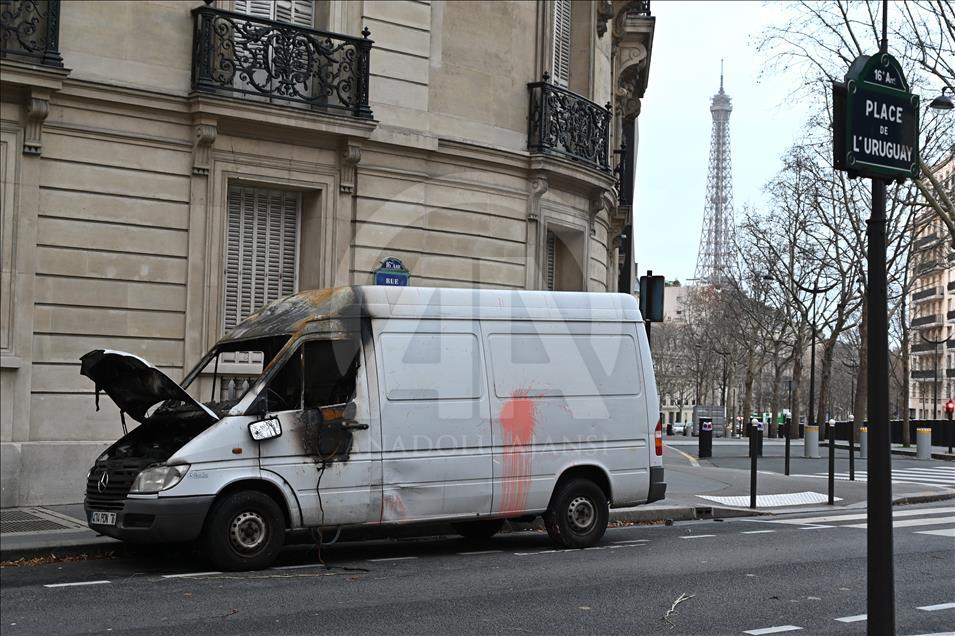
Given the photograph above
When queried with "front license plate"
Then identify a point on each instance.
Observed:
(103, 518)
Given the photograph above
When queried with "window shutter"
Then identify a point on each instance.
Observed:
(297, 12)
(257, 8)
(261, 250)
(561, 65)
(550, 261)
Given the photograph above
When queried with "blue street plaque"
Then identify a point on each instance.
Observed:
(392, 272)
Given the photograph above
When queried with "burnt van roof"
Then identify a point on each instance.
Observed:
(296, 313)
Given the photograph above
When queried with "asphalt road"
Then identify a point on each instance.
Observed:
(738, 575)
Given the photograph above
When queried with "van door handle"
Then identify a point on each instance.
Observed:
(354, 426)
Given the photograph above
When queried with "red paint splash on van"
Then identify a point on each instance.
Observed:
(517, 425)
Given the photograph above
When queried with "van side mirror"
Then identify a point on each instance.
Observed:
(265, 429)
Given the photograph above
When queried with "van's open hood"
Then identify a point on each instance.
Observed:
(134, 384)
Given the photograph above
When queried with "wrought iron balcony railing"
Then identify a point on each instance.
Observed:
(924, 241)
(923, 374)
(261, 59)
(564, 123)
(30, 31)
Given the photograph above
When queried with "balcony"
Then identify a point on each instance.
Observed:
(30, 32)
(928, 266)
(926, 321)
(926, 294)
(564, 123)
(925, 241)
(923, 347)
(263, 60)
(923, 374)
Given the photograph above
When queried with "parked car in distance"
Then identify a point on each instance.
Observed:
(680, 428)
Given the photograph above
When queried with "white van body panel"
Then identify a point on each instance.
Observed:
(466, 404)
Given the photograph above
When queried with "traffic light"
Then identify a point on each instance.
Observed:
(949, 408)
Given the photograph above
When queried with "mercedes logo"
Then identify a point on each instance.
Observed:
(103, 482)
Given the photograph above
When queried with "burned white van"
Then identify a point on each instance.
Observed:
(384, 406)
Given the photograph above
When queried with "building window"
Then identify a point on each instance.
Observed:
(261, 259)
(562, 260)
(562, 30)
(298, 12)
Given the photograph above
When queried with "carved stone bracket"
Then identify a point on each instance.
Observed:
(203, 139)
(350, 156)
(604, 15)
(38, 107)
(538, 186)
(601, 206)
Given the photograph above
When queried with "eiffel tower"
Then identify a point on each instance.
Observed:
(713, 261)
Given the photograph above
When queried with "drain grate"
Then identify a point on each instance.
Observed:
(28, 520)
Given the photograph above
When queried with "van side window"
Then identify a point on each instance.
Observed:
(284, 392)
(330, 370)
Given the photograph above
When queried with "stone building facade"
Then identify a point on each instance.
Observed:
(168, 166)
(932, 308)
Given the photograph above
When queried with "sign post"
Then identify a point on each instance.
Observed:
(875, 135)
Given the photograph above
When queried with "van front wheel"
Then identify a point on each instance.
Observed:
(244, 531)
(577, 515)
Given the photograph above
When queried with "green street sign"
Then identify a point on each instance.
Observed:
(876, 121)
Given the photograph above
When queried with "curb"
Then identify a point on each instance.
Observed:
(89, 548)
(911, 453)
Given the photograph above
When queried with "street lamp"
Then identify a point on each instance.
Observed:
(935, 357)
(942, 102)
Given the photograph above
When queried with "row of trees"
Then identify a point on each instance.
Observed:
(800, 270)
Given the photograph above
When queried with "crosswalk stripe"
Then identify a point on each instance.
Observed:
(852, 619)
(909, 523)
(944, 532)
(935, 608)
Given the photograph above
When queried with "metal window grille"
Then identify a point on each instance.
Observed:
(561, 62)
(261, 250)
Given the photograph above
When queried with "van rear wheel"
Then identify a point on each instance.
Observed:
(245, 531)
(577, 515)
(480, 530)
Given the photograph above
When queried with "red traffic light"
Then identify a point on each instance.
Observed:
(950, 407)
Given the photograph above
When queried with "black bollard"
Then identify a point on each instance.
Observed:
(852, 451)
(832, 462)
(752, 469)
(789, 425)
(706, 438)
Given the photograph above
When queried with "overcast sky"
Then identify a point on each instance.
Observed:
(675, 123)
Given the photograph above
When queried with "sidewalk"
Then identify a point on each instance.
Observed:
(693, 492)
(796, 445)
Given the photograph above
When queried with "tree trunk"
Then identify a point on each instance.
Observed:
(774, 394)
(748, 388)
(862, 379)
(797, 387)
(825, 378)
(906, 363)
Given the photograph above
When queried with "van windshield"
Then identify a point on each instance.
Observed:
(318, 373)
(229, 370)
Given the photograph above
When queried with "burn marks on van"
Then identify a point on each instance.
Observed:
(518, 419)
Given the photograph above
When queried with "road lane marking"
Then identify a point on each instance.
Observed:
(188, 575)
(479, 552)
(935, 608)
(298, 567)
(76, 584)
(757, 531)
(772, 630)
(909, 523)
(689, 458)
(815, 527)
(698, 536)
(945, 532)
(632, 541)
(852, 619)
(405, 558)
